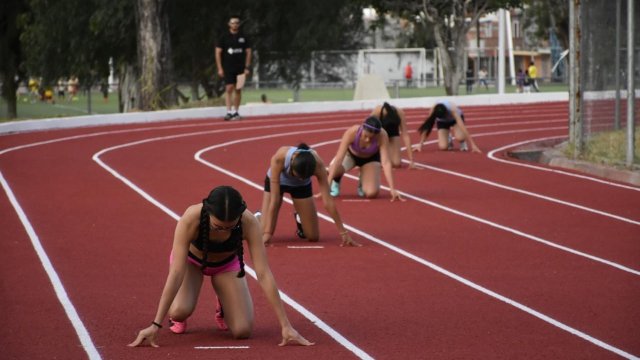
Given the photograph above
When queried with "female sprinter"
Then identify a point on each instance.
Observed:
(446, 115)
(208, 241)
(394, 122)
(365, 146)
(290, 172)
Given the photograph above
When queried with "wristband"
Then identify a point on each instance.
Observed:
(156, 324)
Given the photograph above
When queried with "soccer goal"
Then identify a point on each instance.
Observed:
(390, 65)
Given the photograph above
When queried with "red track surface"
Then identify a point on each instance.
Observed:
(524, 263)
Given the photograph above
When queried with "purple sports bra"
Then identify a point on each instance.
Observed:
(369, 150)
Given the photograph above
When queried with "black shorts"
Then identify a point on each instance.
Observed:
(296, 192)
(231, 74)
(447, 124)
(360, 162)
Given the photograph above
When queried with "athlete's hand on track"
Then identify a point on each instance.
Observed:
(290, 334)
(149, 333)
(348, 241)
(396, 195)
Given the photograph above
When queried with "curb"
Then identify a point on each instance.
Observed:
(547, 153)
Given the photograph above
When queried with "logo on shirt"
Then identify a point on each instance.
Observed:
(241, 40)
(232, 51)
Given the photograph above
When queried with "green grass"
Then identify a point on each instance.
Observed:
(607, 148)
(64, 108)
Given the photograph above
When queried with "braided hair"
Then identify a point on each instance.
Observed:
(226, 204)
(390, 114)
(304, 164)
(439, 111)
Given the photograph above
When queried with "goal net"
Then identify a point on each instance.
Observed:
(389, 64)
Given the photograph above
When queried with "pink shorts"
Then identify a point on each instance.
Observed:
(232, 265)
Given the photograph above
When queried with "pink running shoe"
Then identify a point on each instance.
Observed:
(220, 317)
(178, 327)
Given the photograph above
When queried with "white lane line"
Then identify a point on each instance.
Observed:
(491, 155)
(85, 339)
(305, 247)
(422, 261)
(294, 304)
(220, 347)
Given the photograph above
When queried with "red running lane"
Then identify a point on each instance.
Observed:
(93, 222)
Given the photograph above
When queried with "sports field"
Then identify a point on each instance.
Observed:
(79, 106)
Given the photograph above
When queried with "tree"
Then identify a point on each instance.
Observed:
(157, 90)
(450, 21)
(285, 40)
(12, 13)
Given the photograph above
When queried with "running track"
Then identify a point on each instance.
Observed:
(487, 259)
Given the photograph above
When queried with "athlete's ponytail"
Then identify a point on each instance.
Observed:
(439, 112)
(304, 164)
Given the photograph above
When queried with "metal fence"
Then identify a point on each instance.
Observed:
(606, 53)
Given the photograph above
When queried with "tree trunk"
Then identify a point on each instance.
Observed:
(10, 54)
(157, 90)
(128, 89)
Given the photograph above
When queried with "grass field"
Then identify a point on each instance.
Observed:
(63, 108)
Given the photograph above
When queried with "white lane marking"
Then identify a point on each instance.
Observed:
(129, 130)
(491, 155)
(294, 304)
(305, 247)
(85, 339)
(220, 347)
(422, 261)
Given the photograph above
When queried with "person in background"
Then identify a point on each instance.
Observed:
(233, 58)
(520, 81)
(469, 75)
(208, 242)
(533, 76)
(482, 78)
(408, 74)
(448, 119)
(290, 172)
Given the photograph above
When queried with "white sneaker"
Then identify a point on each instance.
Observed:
(464, 146)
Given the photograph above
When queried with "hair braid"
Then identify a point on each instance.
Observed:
(240, 253)
(203, 233)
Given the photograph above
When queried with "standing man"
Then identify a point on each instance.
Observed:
(533, 74)
(233, 59)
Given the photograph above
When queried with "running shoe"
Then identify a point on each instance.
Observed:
(464, 146)
(220, 317)
(450, 143)
(177, 327)
(299, 232)
(335, 188)
(228, 117)
(360, 191)
(235, 116)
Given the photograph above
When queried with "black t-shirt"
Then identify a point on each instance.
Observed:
(234, 49)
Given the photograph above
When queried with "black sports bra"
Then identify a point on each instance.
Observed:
(233, 243)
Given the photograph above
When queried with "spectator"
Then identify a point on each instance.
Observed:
(408, 74)
(233, 59)
(482, 78)
(469, 75)
(520, 81)
(533, 75)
